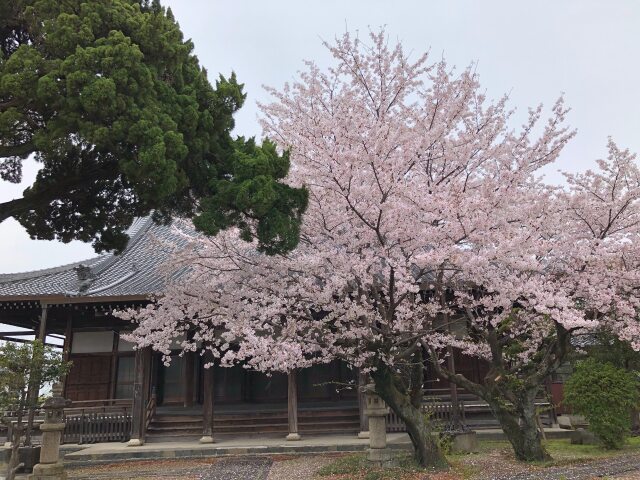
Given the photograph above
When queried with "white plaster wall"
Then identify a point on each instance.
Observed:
(92, 342)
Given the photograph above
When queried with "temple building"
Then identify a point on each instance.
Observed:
(183, 400)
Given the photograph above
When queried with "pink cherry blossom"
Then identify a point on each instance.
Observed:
(428, 226)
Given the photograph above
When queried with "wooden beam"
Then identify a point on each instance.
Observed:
(22, 340)
(292, 405)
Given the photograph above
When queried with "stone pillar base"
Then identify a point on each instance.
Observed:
(48, 471)
(293, 437)
(207, 439)
(465, 443)
(363, 434)
(380, 456)
(135, 442)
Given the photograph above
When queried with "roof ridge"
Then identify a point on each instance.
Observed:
(145, 224)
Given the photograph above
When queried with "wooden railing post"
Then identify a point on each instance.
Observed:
(101, 422)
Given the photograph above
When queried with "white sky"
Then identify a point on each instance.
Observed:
(588, 49)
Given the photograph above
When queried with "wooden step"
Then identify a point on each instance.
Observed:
(173, 425)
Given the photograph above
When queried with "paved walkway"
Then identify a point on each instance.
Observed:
(227, 446)
(250, 446)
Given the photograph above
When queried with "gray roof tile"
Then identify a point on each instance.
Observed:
(137, 271)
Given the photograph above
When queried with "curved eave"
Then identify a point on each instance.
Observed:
(62, 299)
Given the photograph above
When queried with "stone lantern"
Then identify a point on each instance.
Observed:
(376, 410)
(50, 467)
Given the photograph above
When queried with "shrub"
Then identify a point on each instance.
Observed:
(605, 395)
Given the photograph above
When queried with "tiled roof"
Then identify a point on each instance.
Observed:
(137, 271)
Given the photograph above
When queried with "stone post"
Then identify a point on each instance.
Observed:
(376, 411)
(50, 466)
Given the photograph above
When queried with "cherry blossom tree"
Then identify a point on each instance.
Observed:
(574, 269)
(428, 227)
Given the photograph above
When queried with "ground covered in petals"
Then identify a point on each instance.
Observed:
(494, 461)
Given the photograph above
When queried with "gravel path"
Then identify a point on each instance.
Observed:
(143, 470)
(303, 468)
(238, 468)
(629, 466)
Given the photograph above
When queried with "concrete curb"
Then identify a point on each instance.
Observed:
(188, 454)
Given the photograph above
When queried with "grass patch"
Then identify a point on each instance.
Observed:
(563, 451)
(490, 455)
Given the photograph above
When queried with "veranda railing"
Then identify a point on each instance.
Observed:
(94, 421)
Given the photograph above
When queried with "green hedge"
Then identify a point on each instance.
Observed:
(605, 395)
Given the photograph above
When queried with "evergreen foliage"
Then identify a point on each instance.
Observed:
(111, 101)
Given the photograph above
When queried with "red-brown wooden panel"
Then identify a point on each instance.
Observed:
(89, 377)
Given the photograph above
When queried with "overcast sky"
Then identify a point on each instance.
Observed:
(588, 49)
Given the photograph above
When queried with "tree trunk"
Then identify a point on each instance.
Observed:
(521, 429)
(426, 448)
(14, 465)
(635, 420)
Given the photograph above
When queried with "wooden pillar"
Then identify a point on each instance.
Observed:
(188, 375)
(362, 403)
(456, 423)
(141, 371)
(188, 379)
(35, 379)
(42, 330)
(114, 365)
(147, 383)
(207, 400)
(66, 348)
(553, 414)
(292, 405)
